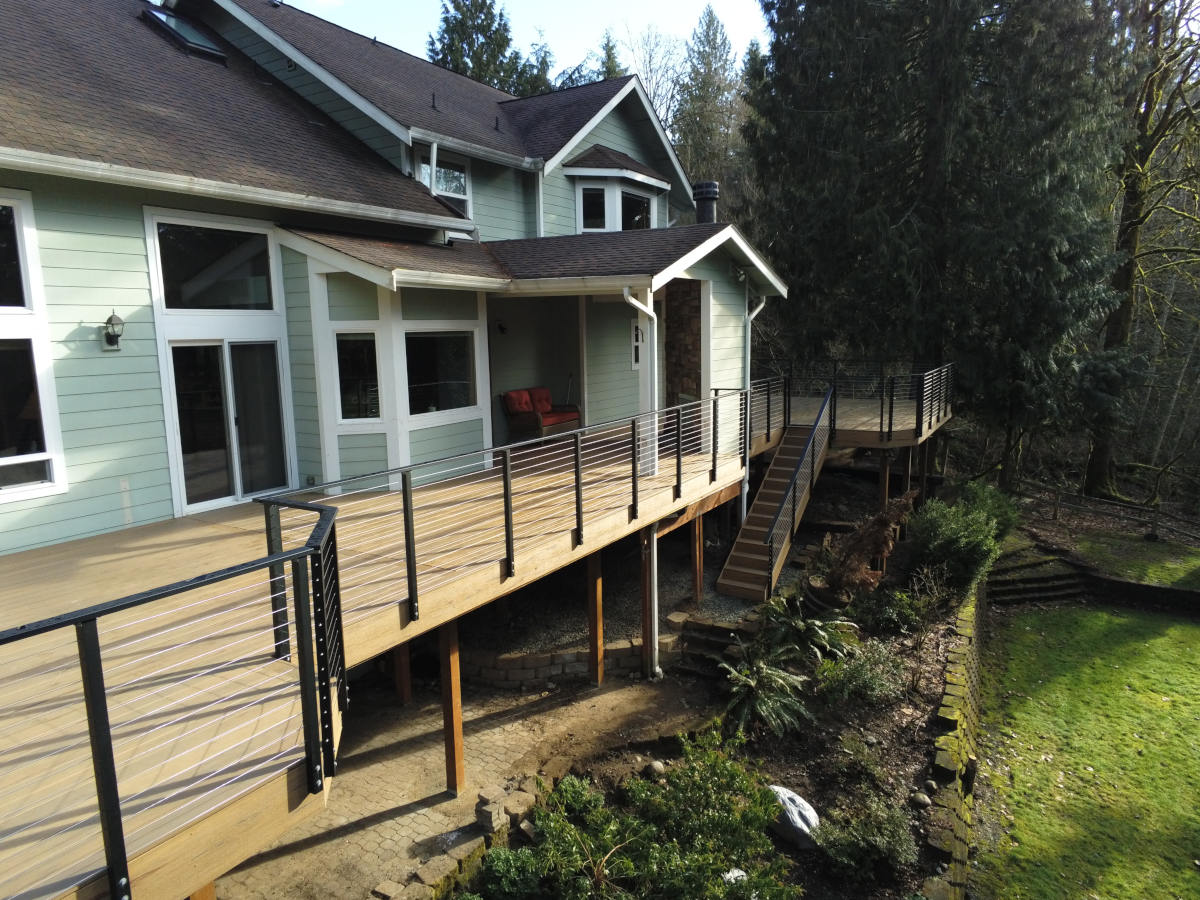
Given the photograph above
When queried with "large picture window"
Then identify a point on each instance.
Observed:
(441, 370)
(31, 461)
(214, 268)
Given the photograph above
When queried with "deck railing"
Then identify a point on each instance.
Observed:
(909, 403)
(409, 531)
(795, 498)
(191, 695)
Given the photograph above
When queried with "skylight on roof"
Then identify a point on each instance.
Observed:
(183, 32)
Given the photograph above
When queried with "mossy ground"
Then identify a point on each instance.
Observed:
(1092, 755)
(1137, 559)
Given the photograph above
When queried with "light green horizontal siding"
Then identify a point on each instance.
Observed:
(727, 322)
(93, 258)
(612, 388)
(362, 454)
(539, 348)
(351, 299)
(502, 202)
(303, 367)
(429, 303)
(430, 444)
(558, 204)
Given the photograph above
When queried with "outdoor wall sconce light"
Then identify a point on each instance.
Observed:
(114, 327)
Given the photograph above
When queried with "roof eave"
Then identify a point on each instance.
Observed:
(478, 151)
(413, 278)
(91, 170)
(627, 174)
(585, 284)
(764, 274)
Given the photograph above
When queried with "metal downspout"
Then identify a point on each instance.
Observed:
(647, 309)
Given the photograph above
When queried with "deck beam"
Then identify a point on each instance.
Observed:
(452, 722)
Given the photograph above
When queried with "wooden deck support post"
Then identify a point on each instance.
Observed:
(452, 724)
(908, 468)
(402, 672)
(208, 892)
(698, 559)
(595, 598)
(924, 454)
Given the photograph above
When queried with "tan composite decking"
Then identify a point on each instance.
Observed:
(205, 719)
(858, 422)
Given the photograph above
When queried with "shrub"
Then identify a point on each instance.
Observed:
(993, 501)
(764, 692)
(886, 611)
(802, 640)
(868, 839)
(961, 538)
(509, 874)
(871, 676)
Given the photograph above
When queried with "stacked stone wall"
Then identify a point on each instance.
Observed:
(535, 670)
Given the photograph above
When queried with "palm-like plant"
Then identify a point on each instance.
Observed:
(764, 691)
(803, 640)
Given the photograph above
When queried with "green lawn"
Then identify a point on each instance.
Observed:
(1092, 751)
(1133, 557)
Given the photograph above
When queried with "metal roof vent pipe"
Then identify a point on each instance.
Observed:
(705, 193)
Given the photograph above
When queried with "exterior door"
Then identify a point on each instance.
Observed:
(231, 433)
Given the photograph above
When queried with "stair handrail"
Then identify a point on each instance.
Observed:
(806, 456)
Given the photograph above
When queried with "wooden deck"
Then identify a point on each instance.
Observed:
(858, 422)
(205, 719)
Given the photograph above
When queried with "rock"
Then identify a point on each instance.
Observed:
(416, 891)
(529, 784)
(796, 820)
(555, 768)
(387, 890)
(517, 805)
(656, 769)
(494, 794)
(676, 620)
(733, 876)
(920, 800)
(527, 830)
(437, 870)
(931, 786)
(491, 817)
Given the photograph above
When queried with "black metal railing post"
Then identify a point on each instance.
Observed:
(328, 638)
(104, 765)
(833, 403)
(510, 551)
(279, 611)
(678, 452)
(787, 401)
(716, 415)
(918, 389)
(633, 457)
(578, 488)
(891, 405)
(770, 423)
(309, 707)
(410, 543)
(745, 408)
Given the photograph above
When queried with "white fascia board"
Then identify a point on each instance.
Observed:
(413, 278)
(90, 170)
(362, 104)
(466, 148)
(607, 284)
(627, 174)
(335, 258)
(577, 138)
(728, 234)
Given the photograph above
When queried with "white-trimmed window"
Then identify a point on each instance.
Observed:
(358, 376)
(453, 182)
(31, 455)
(614, 204)
(441, 370)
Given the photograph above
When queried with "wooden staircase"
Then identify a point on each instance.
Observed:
(748, 572)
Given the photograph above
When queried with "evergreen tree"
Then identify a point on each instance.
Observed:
(932, 173)
(597, 67)
(708, 114)
(474, 39)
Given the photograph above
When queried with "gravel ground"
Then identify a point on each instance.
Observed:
(551, 615)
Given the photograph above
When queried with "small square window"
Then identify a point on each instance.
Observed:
(635, 211)
(358, 376)
(214, 268)
(441, 370)
(593, 208)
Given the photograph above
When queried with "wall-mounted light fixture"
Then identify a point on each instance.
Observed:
(114, 327)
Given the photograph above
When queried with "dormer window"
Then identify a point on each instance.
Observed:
(611, 204)
(453, 183)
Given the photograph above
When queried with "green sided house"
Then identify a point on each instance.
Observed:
(308, 348)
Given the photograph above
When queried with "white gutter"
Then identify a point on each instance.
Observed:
(478, 151)
(750, 314)
(647, 309)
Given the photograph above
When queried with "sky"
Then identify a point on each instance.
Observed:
(571, 28)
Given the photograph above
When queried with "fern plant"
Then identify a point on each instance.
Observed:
(764, 691)
(803, 640)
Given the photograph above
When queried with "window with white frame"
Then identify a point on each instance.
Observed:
(358, 376)
(613, 204)
(441, 370)
(452, 184)
(31, 461)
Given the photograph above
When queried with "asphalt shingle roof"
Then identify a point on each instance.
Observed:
(595, 254)
(405, 87)
(600, 157)
(94, 82)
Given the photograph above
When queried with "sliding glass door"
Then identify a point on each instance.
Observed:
(230, 419)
